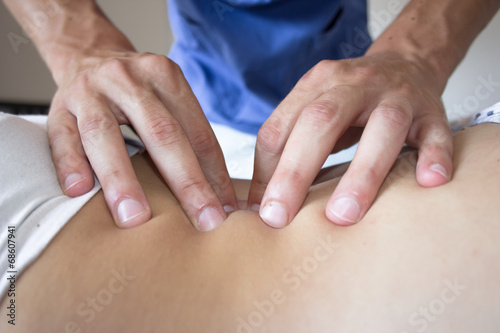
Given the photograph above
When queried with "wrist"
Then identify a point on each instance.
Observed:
(65, 59)
(77, 33)
(436, 58)
(436, 73)
(435, 35)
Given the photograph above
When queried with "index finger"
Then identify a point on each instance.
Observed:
(319, 126)
(173, 155)
(183, 147)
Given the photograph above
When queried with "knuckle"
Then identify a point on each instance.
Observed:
(220, 182)
(321, 113)
(168, 66)
(204, 143)
(293, 175)
(396, 116)
(430, 148)
(187, 186)
(81, 84)
(118, 73)
(370, 173)
(368, 75)
(95, 124)
(324, 67)
(114, 67)
(269, 138)
(366, 71)
(159, 64)
(163, 132)
(139, 96)
(439, 134)
(111, 174)
(60, 133)
(406, 89)
(317, 75)
(167, 75)
(70, 160)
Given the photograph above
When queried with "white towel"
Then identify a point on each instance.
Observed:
(31, 200)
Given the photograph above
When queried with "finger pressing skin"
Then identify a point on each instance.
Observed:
(435, 150)
(379, 147)
(146, 102)
(274, 133)
(317, 129)
(179, 99)
(210, 157)
(73, 170)
(271, 141)
(105, 148)
(174, 157)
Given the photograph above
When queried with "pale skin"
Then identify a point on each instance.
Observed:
(422, 261)
(393, 92)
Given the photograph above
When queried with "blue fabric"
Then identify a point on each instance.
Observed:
(242, 57)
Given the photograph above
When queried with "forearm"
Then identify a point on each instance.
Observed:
(65, 31)
(436, 34)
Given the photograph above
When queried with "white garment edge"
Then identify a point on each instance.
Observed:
(31, 199)
(239, 151)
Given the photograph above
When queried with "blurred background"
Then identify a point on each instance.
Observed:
(27, 87)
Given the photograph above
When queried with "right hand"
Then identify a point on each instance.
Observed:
(150, 93)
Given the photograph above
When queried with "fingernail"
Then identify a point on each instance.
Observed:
(209, 219)
(229, 208)
(436, 167)
(72, 180)
(128, 209)
(346, 209)
(274, 214)
(255, 207)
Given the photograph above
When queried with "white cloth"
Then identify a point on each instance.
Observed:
(31, 199)
(239, 151)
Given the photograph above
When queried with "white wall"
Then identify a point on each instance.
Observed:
(23, 77)
(466, 92)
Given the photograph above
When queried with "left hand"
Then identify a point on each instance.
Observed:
(395, 99)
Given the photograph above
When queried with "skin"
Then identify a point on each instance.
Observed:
(393, 92)
(373, 277)
(102, 83)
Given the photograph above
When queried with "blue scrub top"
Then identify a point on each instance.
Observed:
(242, 57)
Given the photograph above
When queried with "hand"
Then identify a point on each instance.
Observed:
(394, 99)
(149, 92)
